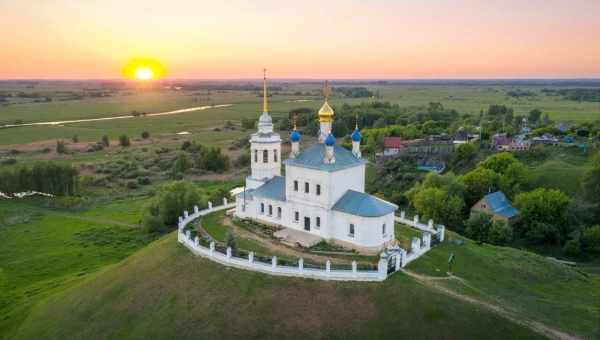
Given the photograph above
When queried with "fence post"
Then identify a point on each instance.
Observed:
(195, 209)
(209, 205)
(196, 241)
(382, 268)
(416, 219)
(354, 267)
(180, 220)
(442, 231)
(186, 214)
(274, 262)
(402, 258)
(398, 263)
(301, 264)
(251, 257)
(426, 240)
(228, 252)
(402, 214)
(212, 248)
(187, 234)
(415, 245)
(430, 224)
(328, 266)
(224, 200)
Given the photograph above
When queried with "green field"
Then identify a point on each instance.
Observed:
(246, 104)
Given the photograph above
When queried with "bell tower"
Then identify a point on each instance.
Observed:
(265, 147)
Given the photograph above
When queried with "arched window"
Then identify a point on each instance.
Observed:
(383, 229)
(275, 155)
(262, 208)
(351, 230)
(265, 156)
(255, 156)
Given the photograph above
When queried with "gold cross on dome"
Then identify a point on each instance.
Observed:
(326, 90)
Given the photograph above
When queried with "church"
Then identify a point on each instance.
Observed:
(322, 192)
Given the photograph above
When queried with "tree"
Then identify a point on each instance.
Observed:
(479, 182)
(124, 141)
(61, 147)
(534, 116)
(170, 203)
(543, 214)
(145, 135)
(500, 233)
(478, 226)
(438, 205)
(591, 181)
(248, 124)
(464, 154)
(591, 239)
(181, 163)
(379, 123)
(75, 139)
(105, 141)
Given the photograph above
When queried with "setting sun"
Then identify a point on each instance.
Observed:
(143, 69)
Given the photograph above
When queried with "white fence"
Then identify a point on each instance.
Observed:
(398, 255)
(438, 230)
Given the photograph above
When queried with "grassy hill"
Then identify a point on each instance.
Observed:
(163, 291)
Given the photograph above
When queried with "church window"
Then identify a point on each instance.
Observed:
(306, 187)
(255, 156)
(278, 212)
(383, 229)
(318, 222)
(262, 208)
(296, 216)
(270, 210)
(295, 185)
(275, 155)
(318, 189)
(265, 156)
(351, 230)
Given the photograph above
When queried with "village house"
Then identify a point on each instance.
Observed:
(497, 206)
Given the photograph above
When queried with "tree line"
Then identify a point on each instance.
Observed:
(47, 177)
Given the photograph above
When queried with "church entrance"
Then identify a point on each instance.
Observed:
(307, 223)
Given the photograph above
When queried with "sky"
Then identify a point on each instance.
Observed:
(351, 39)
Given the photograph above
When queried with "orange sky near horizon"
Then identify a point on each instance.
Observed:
(382, 39)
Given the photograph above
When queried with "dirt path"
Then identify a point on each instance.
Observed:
(279, 247)
(535, 326)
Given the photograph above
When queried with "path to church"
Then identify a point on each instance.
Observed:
(277, 247)
(538, 327)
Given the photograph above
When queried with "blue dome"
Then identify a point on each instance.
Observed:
(356, 136)
(295, 136)
(330, 140)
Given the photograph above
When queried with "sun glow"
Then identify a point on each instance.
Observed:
(143, 69)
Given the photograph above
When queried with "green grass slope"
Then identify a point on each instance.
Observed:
(163, 292)
(522, 282)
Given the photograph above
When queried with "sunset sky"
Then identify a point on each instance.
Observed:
(302, 39)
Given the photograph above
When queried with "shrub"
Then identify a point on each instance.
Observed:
(8, 161)
(61, 147)
(153, 224)
(500, 233)
(572, 247)
(230, 242)
(478, 226)
(132, 184)
(243, 160)
(181, 164)
(591, 239)
(143, 180)
(145, 135)
(124, 141)
(105, 141)
(75, 139)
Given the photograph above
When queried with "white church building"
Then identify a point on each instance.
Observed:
(322, 192)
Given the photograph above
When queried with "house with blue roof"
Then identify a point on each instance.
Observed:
(496, 205)
(322, 192)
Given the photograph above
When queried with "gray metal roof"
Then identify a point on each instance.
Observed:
(313, 158)
(273, 189)
(363, 204)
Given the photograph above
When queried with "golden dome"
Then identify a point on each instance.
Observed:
(325, 113)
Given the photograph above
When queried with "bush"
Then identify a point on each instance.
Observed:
(143, 180)
(105, 141)
(8, 161)
(153, 224)
(145, 135)
(572, 247)
(75, 139)
(124, 141)
(540, 233)
(230, 242)
(132, 185)
(478, 226)
(243, 160)
(591, 239)
(61, 147)
(500, 233)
